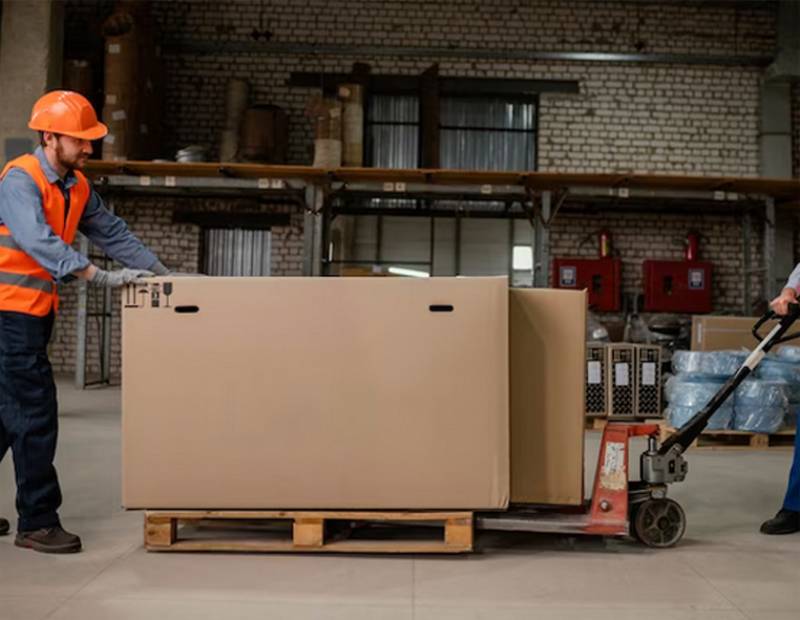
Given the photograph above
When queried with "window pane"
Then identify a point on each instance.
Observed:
(489, 112)
(394, 146)
(486, 150)
(394, 109)
(237, 252)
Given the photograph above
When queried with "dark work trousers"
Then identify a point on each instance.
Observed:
(29, 416)
(792, 501)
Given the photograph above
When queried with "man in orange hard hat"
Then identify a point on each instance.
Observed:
(44, 201)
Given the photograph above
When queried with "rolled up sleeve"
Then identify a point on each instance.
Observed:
(794, 279)
(111, 234)
(21, 210)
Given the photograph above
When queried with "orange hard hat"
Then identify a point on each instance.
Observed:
(68, 113)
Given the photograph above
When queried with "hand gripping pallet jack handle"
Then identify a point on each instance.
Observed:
(684, 437)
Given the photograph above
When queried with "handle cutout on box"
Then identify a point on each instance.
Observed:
(187, 309)
(440, 308)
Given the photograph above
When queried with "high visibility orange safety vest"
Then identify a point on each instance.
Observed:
(25, 286)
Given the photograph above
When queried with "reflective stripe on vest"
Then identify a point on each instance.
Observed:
(25, 286)
(16, 279)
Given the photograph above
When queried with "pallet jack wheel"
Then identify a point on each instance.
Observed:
(659, 523)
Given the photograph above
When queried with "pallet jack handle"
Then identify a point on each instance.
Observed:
(684, 436)
(791, 317)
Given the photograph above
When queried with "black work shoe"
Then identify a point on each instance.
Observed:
(785, 522)
(4, 526)
(49, 540)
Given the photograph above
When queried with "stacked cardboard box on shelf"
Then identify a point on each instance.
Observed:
(719, 333)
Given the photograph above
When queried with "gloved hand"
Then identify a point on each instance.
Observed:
(119, 277)
(159, 269)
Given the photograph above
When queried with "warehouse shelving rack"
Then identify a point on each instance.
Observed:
(538, 197)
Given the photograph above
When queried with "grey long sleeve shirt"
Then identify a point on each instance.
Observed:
(794, 279)
(21, 210)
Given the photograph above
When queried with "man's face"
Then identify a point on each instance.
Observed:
(71, 152)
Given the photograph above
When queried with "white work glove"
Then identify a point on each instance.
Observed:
(119, 277)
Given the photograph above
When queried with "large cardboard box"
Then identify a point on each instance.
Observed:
(716, 333)
(548, 353)
(352, 393)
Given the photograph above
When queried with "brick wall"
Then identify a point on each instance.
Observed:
(661, 118)
(552, 25)
(660, 236)
(680, 119)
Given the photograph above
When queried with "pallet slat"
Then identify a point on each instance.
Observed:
(308, 531)
(738, 439)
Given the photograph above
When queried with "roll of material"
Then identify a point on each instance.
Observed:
(327, 153)
(228, 144)
(352, 96)
(237, 96)
(326, 115)
(759, 419)
(132, 83)
(761, 393)
(693, 392)
(772, 368)
(789, 353)
(677, 416)
(710, 363)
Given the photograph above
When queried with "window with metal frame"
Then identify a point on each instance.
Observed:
(392, 126)
(488, 133)
(476, 132)
(237, 252)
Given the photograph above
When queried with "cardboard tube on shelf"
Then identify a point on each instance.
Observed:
(327, 153)
(352, 96)
(326, 114)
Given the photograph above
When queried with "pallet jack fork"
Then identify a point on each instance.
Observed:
(640, 508)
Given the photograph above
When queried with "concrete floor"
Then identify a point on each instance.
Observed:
(723, 570)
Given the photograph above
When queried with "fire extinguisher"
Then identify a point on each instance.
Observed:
(604, 239)
(692, 246)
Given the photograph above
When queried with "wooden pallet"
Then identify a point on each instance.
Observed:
(721, 440)
(597, 423)
(292, 531)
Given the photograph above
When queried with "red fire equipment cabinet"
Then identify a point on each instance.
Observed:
(602, 276)
(678, 286)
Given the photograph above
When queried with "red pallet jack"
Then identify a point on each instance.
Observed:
(640, 508)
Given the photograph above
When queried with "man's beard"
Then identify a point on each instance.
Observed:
(78, 161)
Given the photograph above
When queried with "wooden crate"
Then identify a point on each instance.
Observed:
(742, 440)
(621, 391)
(596, 388)
(647, 371)
(315, 531)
